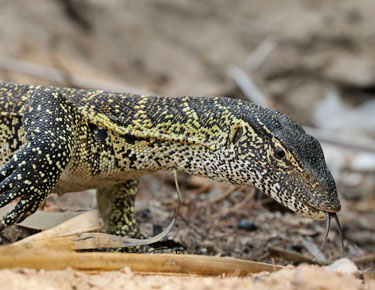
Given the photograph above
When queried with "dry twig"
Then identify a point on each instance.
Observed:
(53, 250)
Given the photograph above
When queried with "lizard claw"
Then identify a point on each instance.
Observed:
(21, 177)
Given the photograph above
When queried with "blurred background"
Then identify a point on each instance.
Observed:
(314, 60)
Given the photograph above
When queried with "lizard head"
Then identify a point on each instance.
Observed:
(283, 161)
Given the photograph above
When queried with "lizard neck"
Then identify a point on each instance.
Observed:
(160, 133)
(201, 121)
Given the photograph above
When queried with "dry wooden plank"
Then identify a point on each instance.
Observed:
(138, 263)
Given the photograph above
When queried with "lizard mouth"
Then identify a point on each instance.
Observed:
(316, 210)
(312, 208)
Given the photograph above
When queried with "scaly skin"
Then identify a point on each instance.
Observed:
(62, 140)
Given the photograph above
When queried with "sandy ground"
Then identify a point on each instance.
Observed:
(303, 277)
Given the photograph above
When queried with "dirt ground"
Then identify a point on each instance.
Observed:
(314, 60)
(302, 277)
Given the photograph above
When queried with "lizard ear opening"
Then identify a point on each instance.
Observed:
(235, 134)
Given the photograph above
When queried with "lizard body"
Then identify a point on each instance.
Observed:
(62, 140)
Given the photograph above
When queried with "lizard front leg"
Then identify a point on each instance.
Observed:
(34, 170)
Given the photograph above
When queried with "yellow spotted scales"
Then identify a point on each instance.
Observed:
(62, 140)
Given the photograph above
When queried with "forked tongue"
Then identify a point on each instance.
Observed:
(328, 226)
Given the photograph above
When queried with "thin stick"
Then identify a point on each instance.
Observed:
(291, 255)
(357, 143)
(247, 86)
(260, 53)
(222, 196)
(55, 75)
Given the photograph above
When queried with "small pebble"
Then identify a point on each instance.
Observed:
(247, 225)
(156, 229)
(145, 215)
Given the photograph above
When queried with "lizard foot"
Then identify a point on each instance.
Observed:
(20, 178)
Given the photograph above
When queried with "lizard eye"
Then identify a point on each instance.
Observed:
(279, 153)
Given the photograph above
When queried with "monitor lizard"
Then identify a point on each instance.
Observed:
(63, 140)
